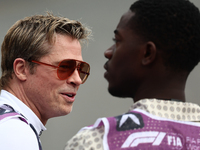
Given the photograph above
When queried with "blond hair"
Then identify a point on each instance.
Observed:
(26, 39)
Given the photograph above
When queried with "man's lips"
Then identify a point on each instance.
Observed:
(106, 65)
(106, 68)
(70, 97)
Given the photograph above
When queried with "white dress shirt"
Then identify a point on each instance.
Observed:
(14, 133)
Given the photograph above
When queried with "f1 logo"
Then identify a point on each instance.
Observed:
(135, 139)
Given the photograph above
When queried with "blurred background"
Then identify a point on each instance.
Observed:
(93, 100)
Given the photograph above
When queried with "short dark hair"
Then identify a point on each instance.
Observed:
(174, 26)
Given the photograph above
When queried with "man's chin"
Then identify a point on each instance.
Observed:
(66, 111)
(115, 92)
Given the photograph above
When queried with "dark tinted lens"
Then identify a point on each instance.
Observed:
(66, 68)
(84, 67)
(84, 71)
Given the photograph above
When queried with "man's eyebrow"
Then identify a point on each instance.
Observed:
(56, 63)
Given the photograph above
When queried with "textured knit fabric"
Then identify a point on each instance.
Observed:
(92, 138)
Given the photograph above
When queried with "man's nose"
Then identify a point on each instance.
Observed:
(109, 52)
(74, 78)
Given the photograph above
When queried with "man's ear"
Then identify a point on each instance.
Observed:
(19, 67)
(150, 52)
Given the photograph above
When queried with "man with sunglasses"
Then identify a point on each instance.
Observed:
(157, 45)
(42, 69)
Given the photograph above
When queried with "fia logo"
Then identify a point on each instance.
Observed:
(174, 140)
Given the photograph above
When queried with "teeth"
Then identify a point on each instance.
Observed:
(70, 95)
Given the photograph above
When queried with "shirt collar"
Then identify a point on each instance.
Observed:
(175, 110)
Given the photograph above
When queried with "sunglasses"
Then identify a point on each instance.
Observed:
(67, 66)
